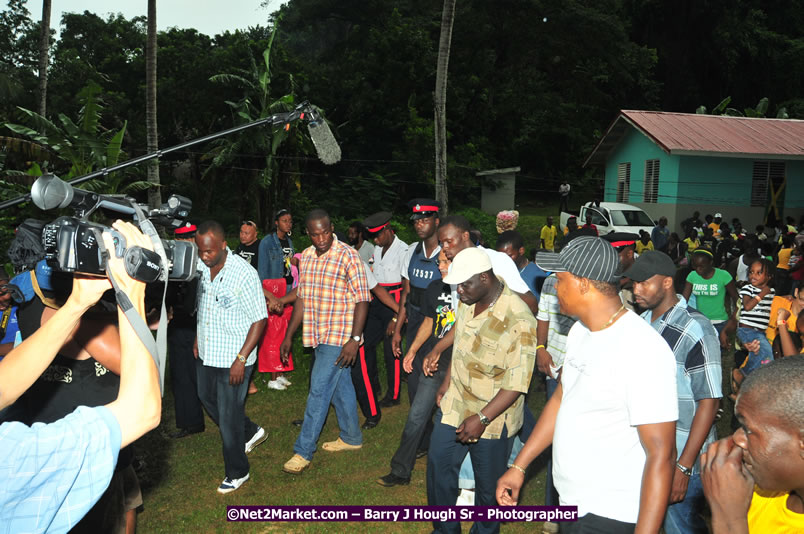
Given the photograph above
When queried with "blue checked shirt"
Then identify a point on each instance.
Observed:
(227, 307)
(695, 345)
(53, 474)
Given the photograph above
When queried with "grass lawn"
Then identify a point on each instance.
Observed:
(181, 476)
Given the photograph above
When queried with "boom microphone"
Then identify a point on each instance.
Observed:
(327, 148)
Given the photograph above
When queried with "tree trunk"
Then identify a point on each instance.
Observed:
(440, 104)
(152, 141)
(44, 45)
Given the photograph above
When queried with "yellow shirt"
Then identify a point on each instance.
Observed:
(780, 302)
(769, 514)
(784, 258)
(640, 246)
(548, 235)
(692, 245)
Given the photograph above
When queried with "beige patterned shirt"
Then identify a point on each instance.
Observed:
(493, 351)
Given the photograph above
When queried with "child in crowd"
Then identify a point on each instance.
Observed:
(756, 299)
(692, 240)
(644, 242)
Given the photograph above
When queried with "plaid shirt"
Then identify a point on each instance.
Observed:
(227, 307)
(560, 324)
(493, 351)
(695, 345)
(330, 285)
(53, 474)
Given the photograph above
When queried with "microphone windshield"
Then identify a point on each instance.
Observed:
(324, 142)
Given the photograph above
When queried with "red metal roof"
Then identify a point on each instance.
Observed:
(694, 134)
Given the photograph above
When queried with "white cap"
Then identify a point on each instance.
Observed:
(467, 263)
(718, 215)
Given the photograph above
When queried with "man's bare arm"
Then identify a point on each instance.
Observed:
(659, 442)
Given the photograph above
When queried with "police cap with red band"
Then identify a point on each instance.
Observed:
(375, 223)
(186, 230)
(619, 240)
(423, 207)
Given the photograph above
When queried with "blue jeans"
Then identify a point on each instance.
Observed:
(226, 407)
(755, 359)
(685, 517)
(444, 460)
(419, 417)
(329, 383)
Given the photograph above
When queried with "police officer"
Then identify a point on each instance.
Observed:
(625, 243)
(389, 253)
(419, 268)
(181, 298)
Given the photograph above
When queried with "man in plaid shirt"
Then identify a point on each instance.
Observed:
(695, 345)
(231, 319)
(332, 299)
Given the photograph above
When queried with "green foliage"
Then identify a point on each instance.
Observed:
(79, 146)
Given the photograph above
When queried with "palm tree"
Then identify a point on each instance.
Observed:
(152, 141)
(257, 103)
(76, 148)
(440, 103)
(44, 43)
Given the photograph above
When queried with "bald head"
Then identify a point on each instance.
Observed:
(779, 385)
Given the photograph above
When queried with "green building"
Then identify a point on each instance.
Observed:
(672, 164)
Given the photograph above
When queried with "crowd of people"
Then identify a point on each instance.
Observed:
(627, 331)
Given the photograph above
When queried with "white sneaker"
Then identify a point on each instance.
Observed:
(276, 384)
(284, 381)
(228, 485)
(259, 436)
(466, 498)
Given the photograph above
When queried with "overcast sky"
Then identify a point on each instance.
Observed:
(207, 16)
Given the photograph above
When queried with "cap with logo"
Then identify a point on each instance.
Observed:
(649, 264)
(423, 207)
(376, 222)
(586, 256)
(467, 263)
(186, 230)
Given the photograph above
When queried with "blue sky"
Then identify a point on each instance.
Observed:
(207, 16)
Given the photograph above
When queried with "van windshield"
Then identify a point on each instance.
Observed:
(630, 218)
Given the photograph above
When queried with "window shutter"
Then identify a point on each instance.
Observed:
(651, 188)
(623, 181)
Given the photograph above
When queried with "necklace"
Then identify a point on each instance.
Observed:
(613, 317)
(499, 292)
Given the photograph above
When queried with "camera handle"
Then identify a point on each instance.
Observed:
(134, 318)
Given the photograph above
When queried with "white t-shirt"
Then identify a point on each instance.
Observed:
(387, 267)
(503, 267)
(613, 380)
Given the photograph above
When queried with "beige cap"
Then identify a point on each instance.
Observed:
(467, 263)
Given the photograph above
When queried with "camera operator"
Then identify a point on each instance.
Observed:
(54, 473)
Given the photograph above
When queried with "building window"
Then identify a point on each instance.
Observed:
(651, 190)
(765, 172)
(623, 181)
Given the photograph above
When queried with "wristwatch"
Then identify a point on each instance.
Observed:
(685, 470)
(241, 358)
(483, 419)
(356, 338)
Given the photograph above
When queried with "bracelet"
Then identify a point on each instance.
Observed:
(781, 323)
(517, 467)
(540, 347)
(684, 470)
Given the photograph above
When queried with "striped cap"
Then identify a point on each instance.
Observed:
(588, 257)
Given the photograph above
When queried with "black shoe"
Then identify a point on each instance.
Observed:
(297, 422)
(421, 453)
(370, 423)
(391, 480)
(184, 432)
(387, 402)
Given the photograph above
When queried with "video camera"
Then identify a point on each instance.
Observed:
(71, 243)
